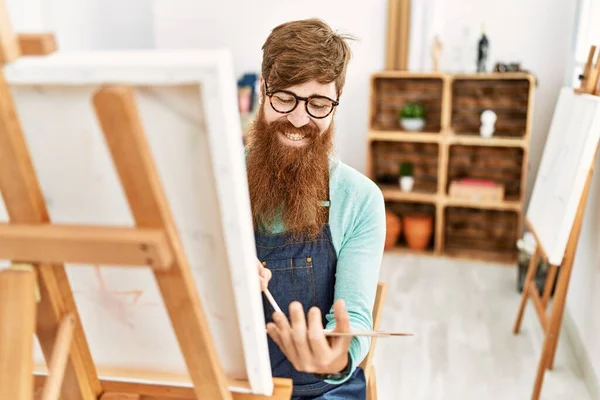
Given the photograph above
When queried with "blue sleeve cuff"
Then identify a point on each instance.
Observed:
(350, 372)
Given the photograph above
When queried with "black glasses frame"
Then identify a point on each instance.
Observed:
(334, 103)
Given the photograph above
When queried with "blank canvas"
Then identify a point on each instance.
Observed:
(567, 159)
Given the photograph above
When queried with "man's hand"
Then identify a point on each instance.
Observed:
(307, 347)
(264, 275)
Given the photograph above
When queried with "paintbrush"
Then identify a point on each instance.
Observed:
(329, 333)
(271, 300)
(339, 334)
(367, 333)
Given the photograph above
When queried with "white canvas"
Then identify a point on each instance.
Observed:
(567, 159)
(188, 105)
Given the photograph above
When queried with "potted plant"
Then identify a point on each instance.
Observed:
(393, 229)
(418, 229)
(407, 180)
(412, 116)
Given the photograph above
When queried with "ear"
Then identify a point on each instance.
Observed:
(340, 93)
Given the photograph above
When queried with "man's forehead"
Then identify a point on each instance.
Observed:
(313, 88)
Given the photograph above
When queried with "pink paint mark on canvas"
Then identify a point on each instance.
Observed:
(119, 304)
(218, 316)
(135, 295)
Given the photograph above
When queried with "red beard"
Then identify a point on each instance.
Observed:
(285, 181)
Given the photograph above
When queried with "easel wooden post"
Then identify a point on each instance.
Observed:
(17, 323)
(398, 30)
(551, 322)
(153, 243)
(591, 74)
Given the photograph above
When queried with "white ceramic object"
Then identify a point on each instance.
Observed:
(412, 124)
(407, 183)
(488, 119)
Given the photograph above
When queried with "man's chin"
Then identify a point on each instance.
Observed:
(291, 142)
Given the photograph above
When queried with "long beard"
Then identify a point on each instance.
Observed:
(288, 182)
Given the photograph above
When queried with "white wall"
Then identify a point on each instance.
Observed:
(243, 27)
(87, 24)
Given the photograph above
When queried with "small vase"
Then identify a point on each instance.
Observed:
(407, 183)
(393, 229)
(418, 229)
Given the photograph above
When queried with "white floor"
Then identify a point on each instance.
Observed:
(462, 315)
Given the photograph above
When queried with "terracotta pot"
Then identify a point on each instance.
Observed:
(417, 230)
(393, 229)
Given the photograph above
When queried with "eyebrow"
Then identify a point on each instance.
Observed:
(313, 95)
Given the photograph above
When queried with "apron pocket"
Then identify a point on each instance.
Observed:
(293, 280)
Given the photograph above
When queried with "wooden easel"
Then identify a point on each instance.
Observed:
(551, 320)
(591, 74)
(31, 238)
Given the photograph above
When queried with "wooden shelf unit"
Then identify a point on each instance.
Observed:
(449, 148)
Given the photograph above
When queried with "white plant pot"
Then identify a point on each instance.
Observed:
(407, 183)
(412, 124)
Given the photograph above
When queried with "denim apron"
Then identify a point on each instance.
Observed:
(304, 270)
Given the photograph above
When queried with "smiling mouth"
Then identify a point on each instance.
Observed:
(295, 137)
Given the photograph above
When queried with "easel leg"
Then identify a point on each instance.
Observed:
(558, 308)
(531, 271)
(550, 278)
(553, 332)
(60, 356)
(17, 320)
(539, 378)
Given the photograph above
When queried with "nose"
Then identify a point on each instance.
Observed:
(298, 117)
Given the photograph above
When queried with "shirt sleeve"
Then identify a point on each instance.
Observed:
(357, 272)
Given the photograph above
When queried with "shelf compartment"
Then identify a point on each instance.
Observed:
(403, 208)
(508, 98)
(502, 165)
(390, 94)
(481, 234)
(387, 157)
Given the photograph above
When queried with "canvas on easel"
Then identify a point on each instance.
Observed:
(124, 187)
(556, 210)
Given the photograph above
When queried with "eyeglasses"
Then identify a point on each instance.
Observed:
(284, 102)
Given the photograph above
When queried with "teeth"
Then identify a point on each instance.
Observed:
(294, 136)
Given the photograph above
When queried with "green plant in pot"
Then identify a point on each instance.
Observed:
(407, 180)
(412, 116)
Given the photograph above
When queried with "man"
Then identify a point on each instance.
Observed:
(319, 224)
